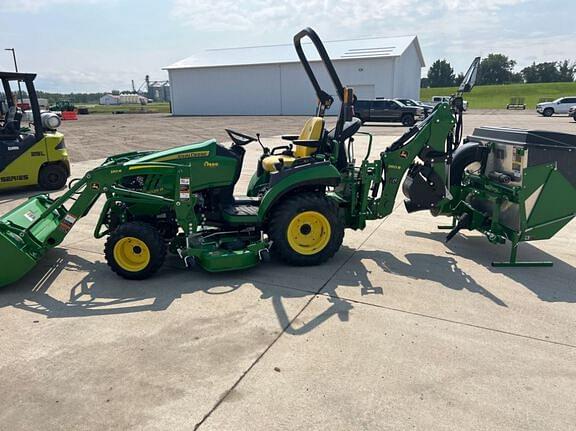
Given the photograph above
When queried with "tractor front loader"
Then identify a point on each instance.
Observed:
(508, 184)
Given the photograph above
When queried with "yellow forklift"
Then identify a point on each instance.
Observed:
(30, 154)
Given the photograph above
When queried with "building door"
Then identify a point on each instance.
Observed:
(364, 92)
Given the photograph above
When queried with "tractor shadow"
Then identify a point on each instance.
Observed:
(418, 266)
(554, 284)
(66, 285)
(55, 291)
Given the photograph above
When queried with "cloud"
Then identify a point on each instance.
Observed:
(31, 6)
(445, 27)
(279, 14)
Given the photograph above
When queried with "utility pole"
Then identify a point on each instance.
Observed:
(16, 67)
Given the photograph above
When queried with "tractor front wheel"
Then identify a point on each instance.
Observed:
(305, 229)
(135, 250)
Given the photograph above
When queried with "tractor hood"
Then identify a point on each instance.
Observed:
(183, 153)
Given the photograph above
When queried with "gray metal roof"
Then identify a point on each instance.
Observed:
(378, 47)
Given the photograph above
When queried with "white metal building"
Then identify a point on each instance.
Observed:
(269, 80)
(109, 99)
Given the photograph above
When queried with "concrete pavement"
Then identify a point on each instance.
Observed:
(398, 331)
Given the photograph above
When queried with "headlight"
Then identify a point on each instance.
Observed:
(50, 121)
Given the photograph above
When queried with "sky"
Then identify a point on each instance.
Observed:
(100, 45)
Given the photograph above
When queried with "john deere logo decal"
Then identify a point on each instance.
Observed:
(403, 154)
(189, 155)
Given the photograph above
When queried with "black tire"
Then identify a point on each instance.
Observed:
(463, 157)
(574, 117)
(52, 177)
(548, 112)
(408, 120)
(147, 254)
(287, 212)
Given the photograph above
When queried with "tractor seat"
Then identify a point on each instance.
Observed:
(11, 127)
(311, 132)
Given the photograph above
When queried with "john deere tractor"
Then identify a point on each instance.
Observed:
(34, 155)
(505, 183)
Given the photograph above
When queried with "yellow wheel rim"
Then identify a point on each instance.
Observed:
(308, 232)
(131, 254)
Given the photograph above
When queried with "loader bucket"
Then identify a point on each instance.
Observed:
(16, 262)
(22, 234)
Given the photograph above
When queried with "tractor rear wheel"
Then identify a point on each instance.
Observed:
(305, 229)
(52, 177)
(135, 250)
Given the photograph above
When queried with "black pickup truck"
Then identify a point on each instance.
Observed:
(386, 110)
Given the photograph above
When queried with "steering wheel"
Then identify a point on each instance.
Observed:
(240, 138)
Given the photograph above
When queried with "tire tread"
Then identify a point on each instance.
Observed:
(144, 232)
(285, 212)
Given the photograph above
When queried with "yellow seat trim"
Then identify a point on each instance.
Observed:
(312, 131)
(269, 163)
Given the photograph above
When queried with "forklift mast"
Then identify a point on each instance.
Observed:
(28, 80)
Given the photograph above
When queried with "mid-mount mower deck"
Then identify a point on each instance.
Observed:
(509, 184)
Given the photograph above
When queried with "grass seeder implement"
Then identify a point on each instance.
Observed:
(510, 184)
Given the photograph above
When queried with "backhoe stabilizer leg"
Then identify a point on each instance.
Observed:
(513, 263)
(463, 223)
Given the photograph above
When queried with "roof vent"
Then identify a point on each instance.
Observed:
(368, 52)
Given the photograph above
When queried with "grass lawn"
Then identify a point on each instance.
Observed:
(498, 96)
(108, 109)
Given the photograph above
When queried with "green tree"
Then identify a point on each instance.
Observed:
(424, 83)
(548, 72)
(459, 78)
(441, 74)
(530, 73)
(566, 71)
(496, 69)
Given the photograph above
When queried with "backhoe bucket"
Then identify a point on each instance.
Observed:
(23, 232)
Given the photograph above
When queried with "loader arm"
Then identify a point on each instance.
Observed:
(41, 223)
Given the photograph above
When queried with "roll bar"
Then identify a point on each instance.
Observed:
(325, 100)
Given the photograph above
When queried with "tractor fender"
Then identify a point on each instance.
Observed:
(291, 179)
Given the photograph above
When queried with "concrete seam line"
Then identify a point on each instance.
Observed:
(427, 316)
(456, 322)
(257, 360)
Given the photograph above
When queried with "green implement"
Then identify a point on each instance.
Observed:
(509, 184)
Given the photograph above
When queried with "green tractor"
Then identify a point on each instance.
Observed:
(33, 155)
(63, 106)
(303, 195)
